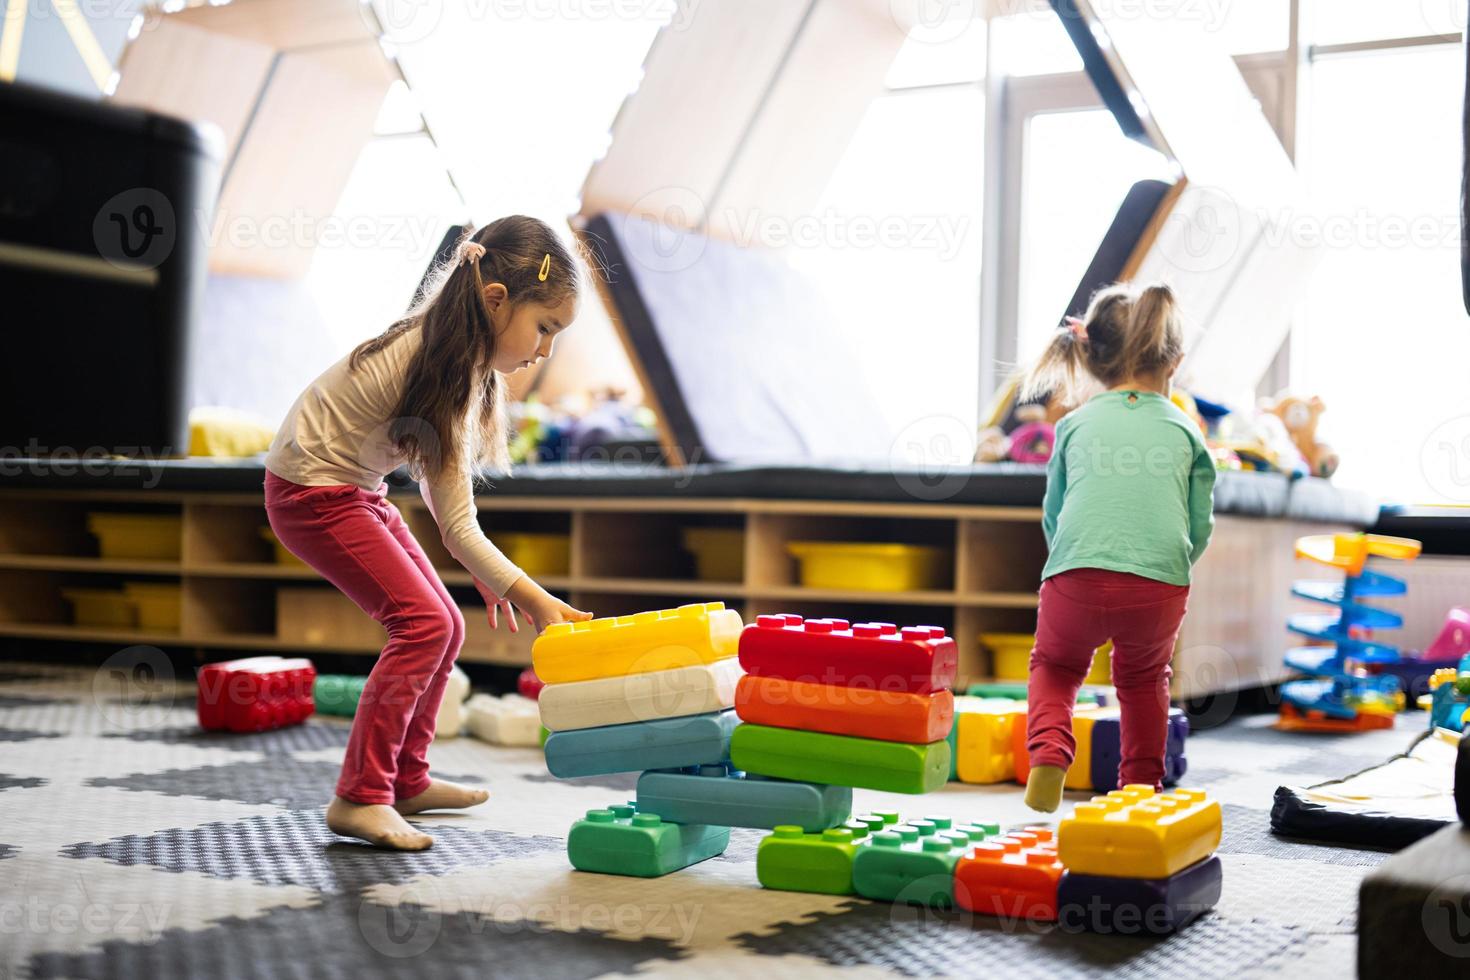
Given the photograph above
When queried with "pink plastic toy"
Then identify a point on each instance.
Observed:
(1453, 641)
(255, 694)
(1033, 442)
(529, 685)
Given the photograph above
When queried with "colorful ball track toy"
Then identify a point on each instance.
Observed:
(1336, 696)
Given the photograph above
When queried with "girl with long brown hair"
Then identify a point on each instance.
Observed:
(429, 392)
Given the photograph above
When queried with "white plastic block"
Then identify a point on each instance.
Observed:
(451, 710)
(508, 720)
(657, 694)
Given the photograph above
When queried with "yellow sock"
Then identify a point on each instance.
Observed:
(1044, 788)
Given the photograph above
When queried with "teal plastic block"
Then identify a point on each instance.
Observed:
(621, 841)
(894, 767)
(666, 743)
(717, 795)
(915, 868)
(789, 860)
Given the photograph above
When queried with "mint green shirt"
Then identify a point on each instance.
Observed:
(1130, 487)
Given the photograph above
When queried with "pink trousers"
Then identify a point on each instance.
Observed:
(1080, 610)
(358, 541)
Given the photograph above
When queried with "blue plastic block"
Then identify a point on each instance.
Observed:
(1137, 906)
(717, 795)
(667, 743)
(1107, 751)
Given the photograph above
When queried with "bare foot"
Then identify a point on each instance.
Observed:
(377, 824)
(442, 795)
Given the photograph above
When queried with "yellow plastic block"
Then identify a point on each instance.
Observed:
(983, 743)
(1134, 833)
(1010, 657)
(662, 639)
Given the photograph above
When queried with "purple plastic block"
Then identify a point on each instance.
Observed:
(1134, 906)
(1107, 751)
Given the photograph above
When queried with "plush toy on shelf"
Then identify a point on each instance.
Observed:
(1299, 416)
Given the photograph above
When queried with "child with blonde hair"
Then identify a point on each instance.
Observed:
(1129, 509)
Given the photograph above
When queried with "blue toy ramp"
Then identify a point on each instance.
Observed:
(1317, 695)
(1328, 627)
(1315, 661)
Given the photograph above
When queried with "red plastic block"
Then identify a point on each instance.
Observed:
(255, 694)
(1012, 877)
(529, 685)
(877, 656)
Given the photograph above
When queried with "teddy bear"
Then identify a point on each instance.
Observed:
(1300, 415)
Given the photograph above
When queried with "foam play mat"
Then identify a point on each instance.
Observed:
(134, 844)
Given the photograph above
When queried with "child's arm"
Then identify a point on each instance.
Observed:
(1056, 485)
(1201, 503)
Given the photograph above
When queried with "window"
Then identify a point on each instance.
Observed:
(1385, 338)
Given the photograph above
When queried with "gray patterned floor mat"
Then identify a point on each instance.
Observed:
(136, 845)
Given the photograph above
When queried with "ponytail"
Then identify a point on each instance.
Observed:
(1124, 334)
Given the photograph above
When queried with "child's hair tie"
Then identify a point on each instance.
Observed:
(1076, 327)
(471, 252)
(545, 268)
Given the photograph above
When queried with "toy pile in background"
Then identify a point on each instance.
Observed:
(1339, 693)
(1449, 696)
(1278, 436)
(598, 430)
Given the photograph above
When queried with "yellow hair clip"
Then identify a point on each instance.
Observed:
(545, 268)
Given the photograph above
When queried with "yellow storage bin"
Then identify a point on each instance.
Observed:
(152, 537)
(159, 605)
(719, 552)
(1010, 657)
(283, 556)
(869, 567)
(537, 553)
(101, 607)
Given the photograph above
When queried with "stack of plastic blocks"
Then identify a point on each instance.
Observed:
(865, 705)
(1137, 861)
(255, 694)
(506, 720)
(1099, 738)
(647, 691)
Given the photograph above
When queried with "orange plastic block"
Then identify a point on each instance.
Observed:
(1013, 877)
(985, 735)
(893, 716)
(662, 639)
(1135, 833)
(1079, 773)
(1293, 719)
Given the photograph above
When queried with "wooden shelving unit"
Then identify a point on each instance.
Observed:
(626, 555)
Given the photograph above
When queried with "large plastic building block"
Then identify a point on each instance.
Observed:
(1130, 906)
(663, 639)
(1107, 750)
(338, 694)
(876, 656)
(255, 694)
(792, 861)
(917, 871)
(668, 743)
(619, 840)
(985, 740)
(716, 795)
(676, 693)
(1014, 876)
(1134, 833)
(507, 720)
(893, 767)
(1016, 691)
(1079, 773)
(894, 716)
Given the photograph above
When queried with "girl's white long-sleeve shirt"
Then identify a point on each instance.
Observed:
(337, 433)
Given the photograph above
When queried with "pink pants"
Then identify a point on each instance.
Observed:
(1080, 610)
(357, 540)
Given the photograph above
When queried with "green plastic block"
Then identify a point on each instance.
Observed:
(1016, 691)
(841, 760)
(789, 860)
(620, 841)
(913, 863)
(337, 694)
